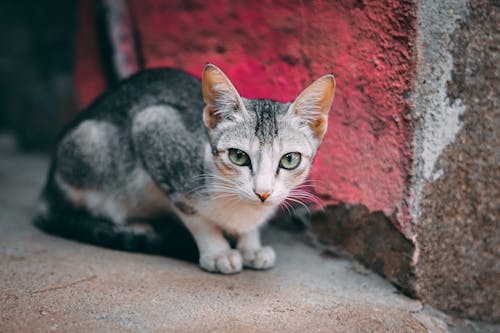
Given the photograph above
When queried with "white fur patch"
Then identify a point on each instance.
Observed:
(98, 203)
(265, 171)
(235, 217)
(144, 196)
(156, 114)
(92, 136)
(141, 197)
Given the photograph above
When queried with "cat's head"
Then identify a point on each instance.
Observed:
(262, 149)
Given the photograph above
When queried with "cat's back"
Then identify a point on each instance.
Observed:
(100, 144)
(157, 86)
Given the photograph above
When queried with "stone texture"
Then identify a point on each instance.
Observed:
(369, 237)
(452, 259)
(458, 267)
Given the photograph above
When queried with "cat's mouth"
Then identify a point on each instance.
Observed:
(261, 203)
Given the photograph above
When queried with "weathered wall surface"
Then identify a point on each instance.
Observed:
(370, 237)
(456, 202)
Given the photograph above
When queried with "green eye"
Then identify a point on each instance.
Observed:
(290, 161)
(239, 157)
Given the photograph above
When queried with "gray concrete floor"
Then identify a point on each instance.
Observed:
(53, 284)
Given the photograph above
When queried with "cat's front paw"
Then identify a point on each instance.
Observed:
(226, 262)
(261, 258)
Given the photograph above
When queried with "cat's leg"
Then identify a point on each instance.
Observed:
(215, 253)
(254, 254)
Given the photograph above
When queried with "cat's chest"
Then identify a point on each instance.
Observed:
(235, 216)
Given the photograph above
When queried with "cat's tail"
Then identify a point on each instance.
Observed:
(157, 237)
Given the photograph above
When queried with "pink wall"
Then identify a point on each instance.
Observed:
(89, 75)
(274, 49)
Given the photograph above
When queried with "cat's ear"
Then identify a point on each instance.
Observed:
(314, 103)
(222, 101)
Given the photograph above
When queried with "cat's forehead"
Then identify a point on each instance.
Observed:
(265, 116)
(264, 124)
(265, 106)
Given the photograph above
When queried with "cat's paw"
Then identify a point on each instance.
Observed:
(261, 258)
(226, 262)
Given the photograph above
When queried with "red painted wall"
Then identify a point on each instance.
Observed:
(89, 76)
(274, 49)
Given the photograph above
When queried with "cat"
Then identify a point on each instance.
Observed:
(162, 142)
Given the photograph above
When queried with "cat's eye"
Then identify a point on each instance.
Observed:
(290, 161)
(239, 157)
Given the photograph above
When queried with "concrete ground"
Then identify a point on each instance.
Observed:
(53, 284)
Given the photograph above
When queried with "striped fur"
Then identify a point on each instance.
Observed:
(155, 151)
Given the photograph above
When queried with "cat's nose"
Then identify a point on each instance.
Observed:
(263, 195)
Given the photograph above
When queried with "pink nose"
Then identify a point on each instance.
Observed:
(263, 196)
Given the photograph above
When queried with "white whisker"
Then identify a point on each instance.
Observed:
(287, 207)
(309, 197)
(300, 203)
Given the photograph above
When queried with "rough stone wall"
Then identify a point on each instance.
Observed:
(457, 173)
(372, 238)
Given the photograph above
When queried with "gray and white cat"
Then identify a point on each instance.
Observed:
(161, 142)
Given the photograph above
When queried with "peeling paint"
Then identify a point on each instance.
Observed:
(440, 125)
(457, 222)
(439, 117)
